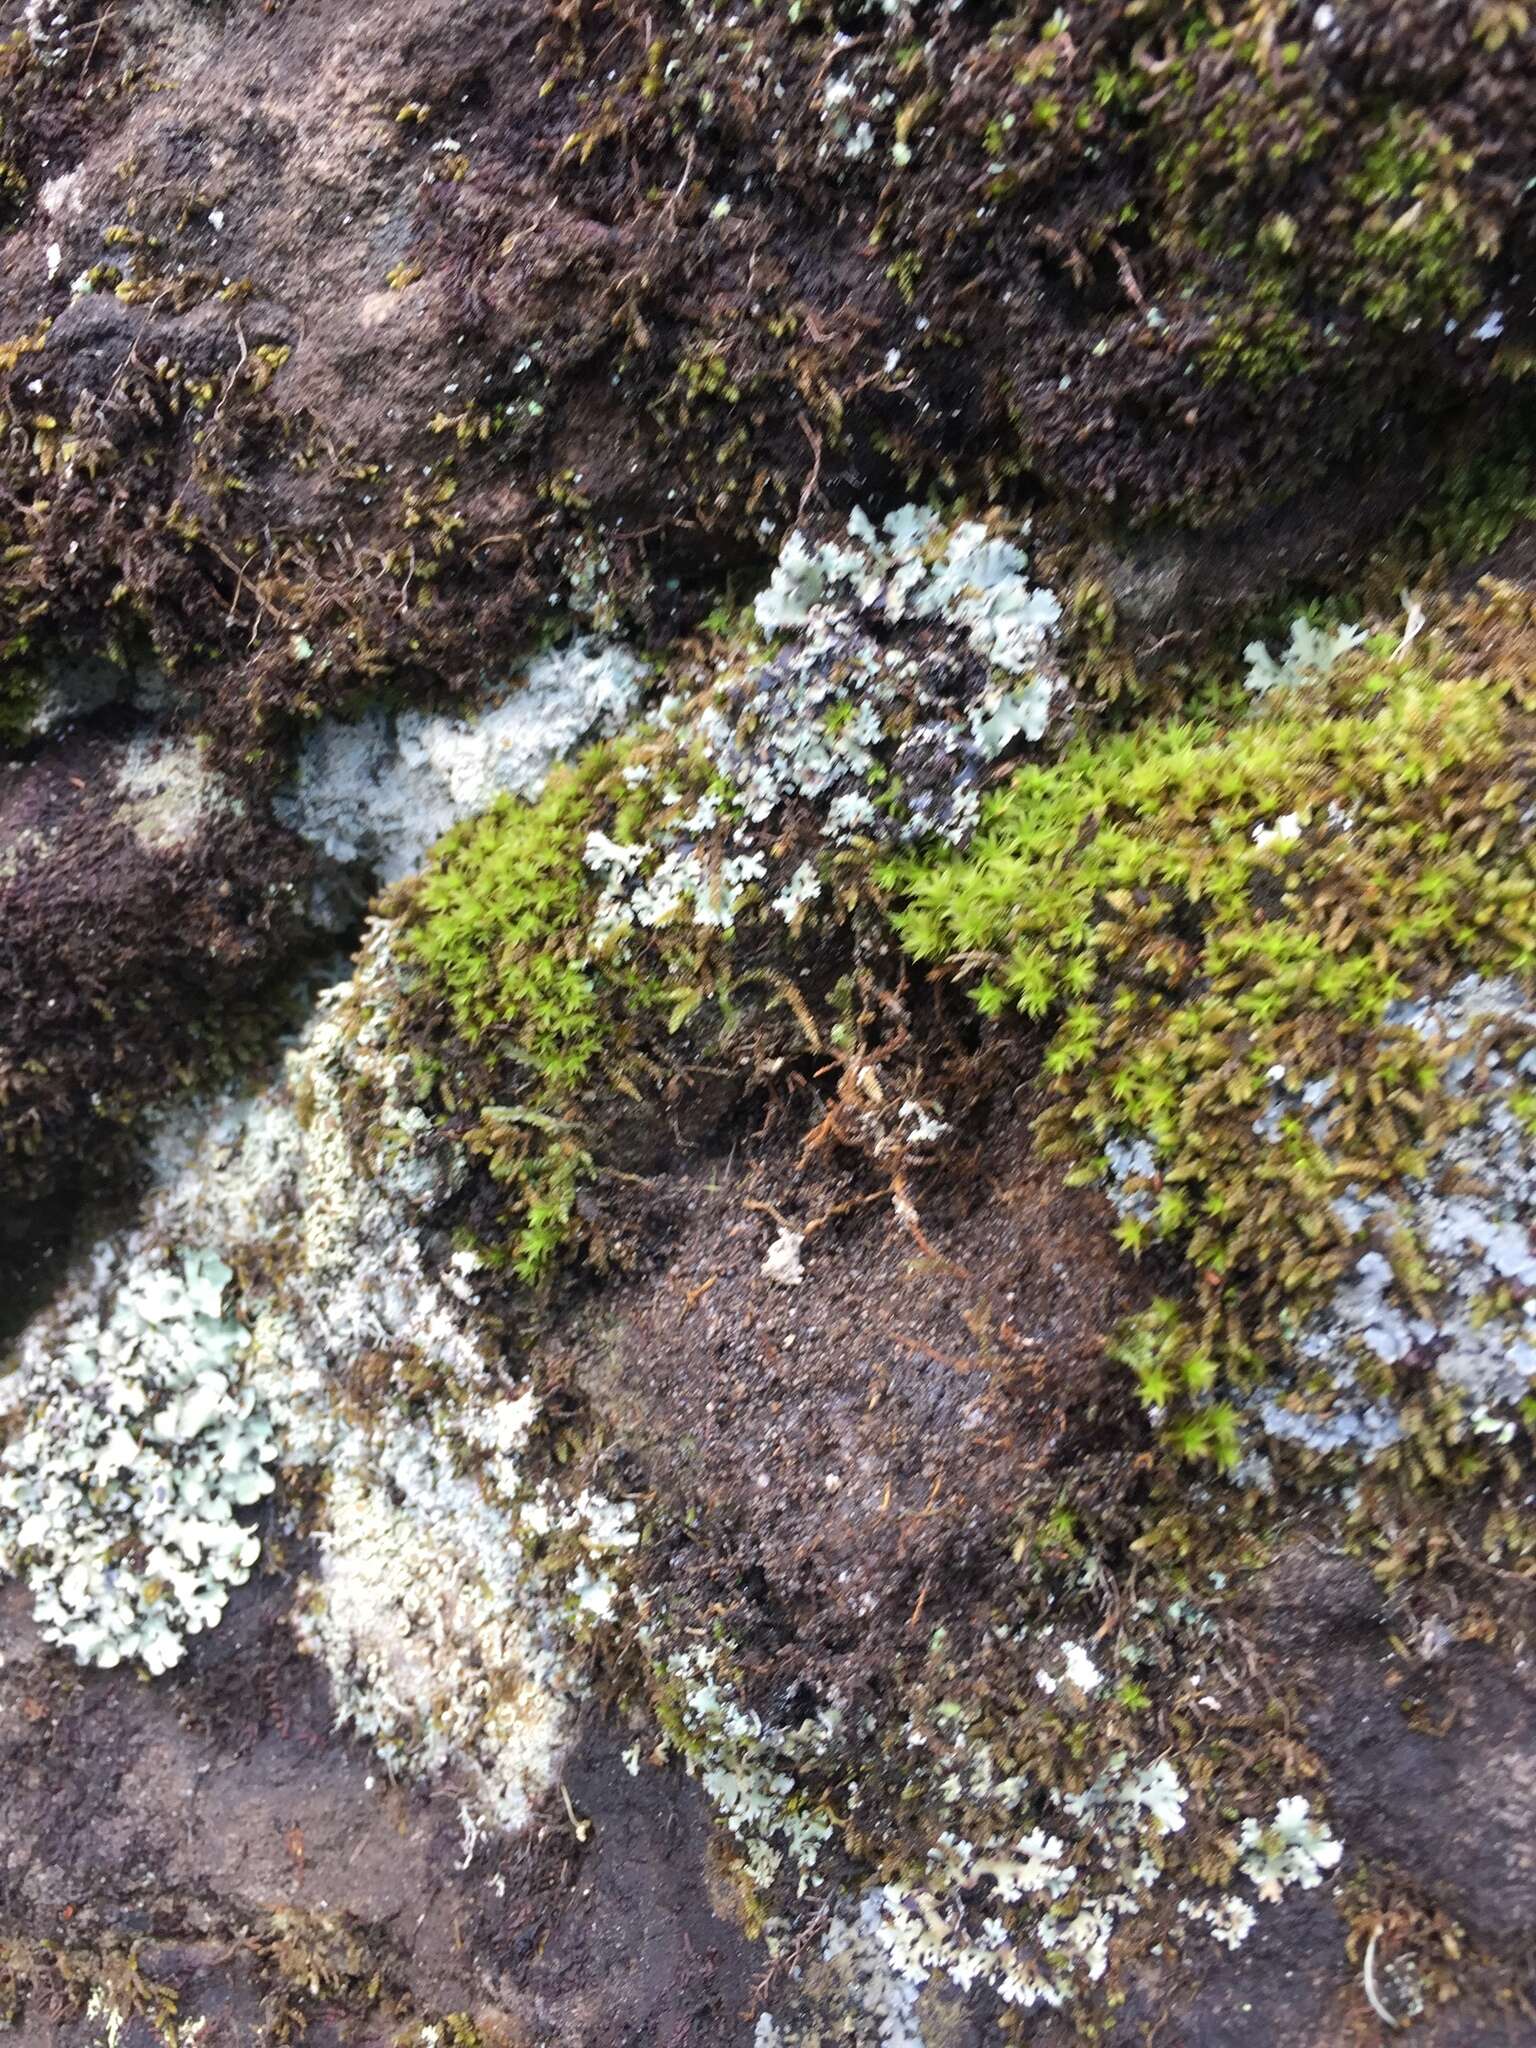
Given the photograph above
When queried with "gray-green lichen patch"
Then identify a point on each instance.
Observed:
(137, 1440)
(453, 1588)
(169, 791)
(377, 793)
(1023, 1892)
(868, 726)
(1309, 653)
(439, 1654)
(1446, 1274)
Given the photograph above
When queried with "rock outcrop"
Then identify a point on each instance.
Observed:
(766, 1025)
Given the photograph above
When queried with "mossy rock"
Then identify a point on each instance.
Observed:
(1238, 932)
(1139, 269)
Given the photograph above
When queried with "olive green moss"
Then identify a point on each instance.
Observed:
(1143, 899)
(301, 1960)
(18, 705)
(1298, 210)
(1478, 505)
(86, 1976)
(1155, 260)
(1416, 241)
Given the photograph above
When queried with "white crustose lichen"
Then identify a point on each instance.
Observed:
(377, 793)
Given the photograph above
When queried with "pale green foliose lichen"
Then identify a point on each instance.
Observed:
(452, 1592)
(1309, 654)
(914, 569)
(136, 1445)
(748, 1768)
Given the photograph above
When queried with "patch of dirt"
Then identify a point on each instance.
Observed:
(1431, 1754)
(849, 1448)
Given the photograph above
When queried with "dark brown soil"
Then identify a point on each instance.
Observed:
(853, 1445)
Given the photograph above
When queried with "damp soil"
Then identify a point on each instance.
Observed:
(851, 1445)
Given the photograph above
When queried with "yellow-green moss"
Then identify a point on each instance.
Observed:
(1199, 910)
(497, 933)
(1416, 241)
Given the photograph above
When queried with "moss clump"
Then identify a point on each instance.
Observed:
(1259, 341)
(1478, 506)
(555, 948)
(499, 889)
(517, 1018)
(1406, 236)
(1007, 229)
(1417, 244)
(18, 706)
(1217, 920)
(95, 1978)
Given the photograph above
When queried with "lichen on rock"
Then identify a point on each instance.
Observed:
(377, 794)
(437, 1655)
(137, 1441)
(869, 1366)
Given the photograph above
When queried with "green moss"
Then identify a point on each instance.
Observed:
(452, 2030)
(97, 1978)
(1417, 244)
(498, 934)
(1475, 510)
(1404, 240)
(497, 889)
(1258, 341)
(1296, 214)
(1184, 965)
(1174, 1374)
(1221, 143)
(18, 705)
